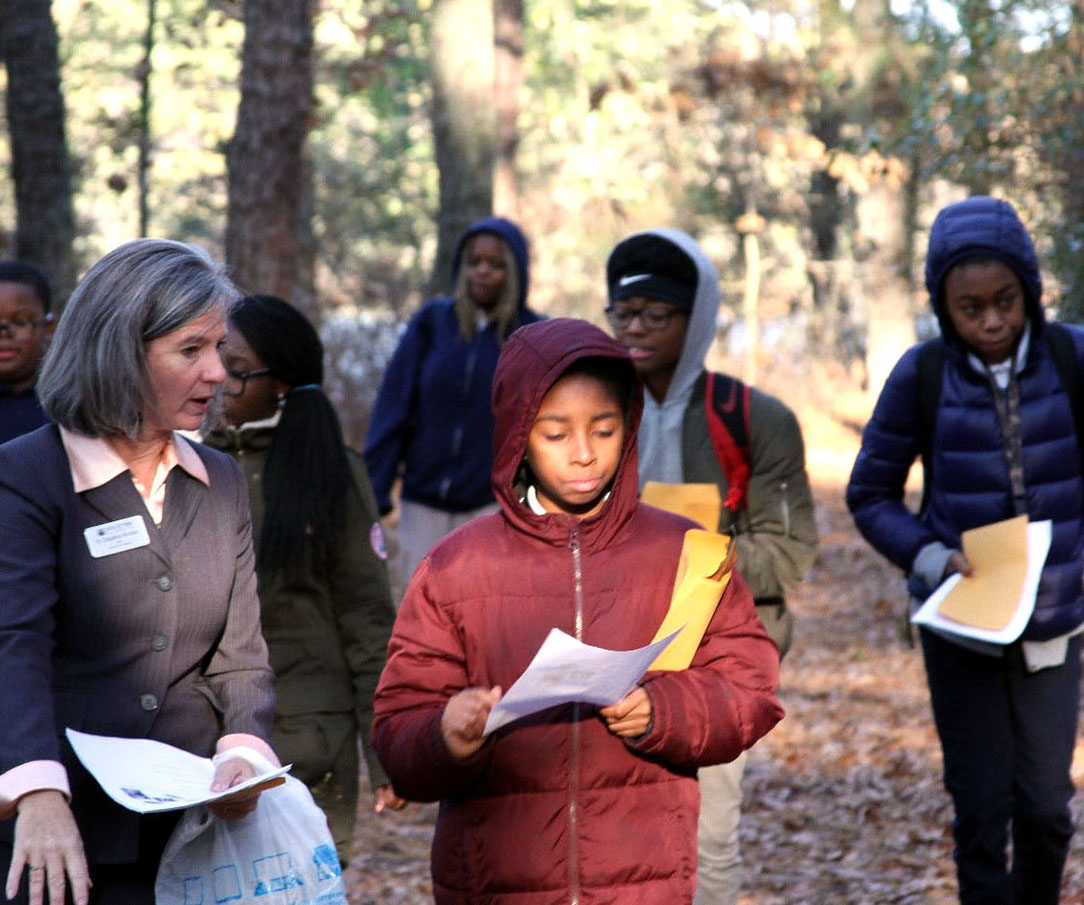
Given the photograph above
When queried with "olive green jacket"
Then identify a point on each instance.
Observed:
(327, 632)
(776, 535)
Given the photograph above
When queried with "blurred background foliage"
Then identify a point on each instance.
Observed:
(805, 143)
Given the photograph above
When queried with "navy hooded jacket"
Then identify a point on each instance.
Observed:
(432, 414)
(969, 474)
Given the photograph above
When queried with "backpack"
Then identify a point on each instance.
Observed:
(931, 365)
(726, 402)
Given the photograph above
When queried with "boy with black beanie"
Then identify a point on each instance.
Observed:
(663, 301)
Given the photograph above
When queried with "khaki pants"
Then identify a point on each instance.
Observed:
(718, 877)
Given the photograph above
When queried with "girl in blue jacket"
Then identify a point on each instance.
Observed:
(1002, 442)
(432, 424)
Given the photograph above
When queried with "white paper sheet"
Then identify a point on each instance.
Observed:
(146, 776)
(1038, 547)
(566, 670)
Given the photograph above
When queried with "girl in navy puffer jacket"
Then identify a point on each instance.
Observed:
(1003, 443)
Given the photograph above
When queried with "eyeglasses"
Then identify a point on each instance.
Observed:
(652, 317)
(236, 381)
(22, 325)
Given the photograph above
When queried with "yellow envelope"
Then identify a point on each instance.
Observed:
(704, 569)
(999, 555)
(700, 503)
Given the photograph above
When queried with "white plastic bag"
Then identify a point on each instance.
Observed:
(280, 854)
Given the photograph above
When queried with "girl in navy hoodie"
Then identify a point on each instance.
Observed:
(431, 424)
(1002, 442)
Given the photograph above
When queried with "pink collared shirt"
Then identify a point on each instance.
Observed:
(95, 462)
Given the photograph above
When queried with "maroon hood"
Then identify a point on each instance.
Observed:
(531, 361)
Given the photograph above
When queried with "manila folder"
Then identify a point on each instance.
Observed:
(999, 555)
(704, 569)
(699, 503)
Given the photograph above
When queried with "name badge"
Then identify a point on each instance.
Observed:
(116, 537)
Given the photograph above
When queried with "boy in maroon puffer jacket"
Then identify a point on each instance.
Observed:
(576, 803)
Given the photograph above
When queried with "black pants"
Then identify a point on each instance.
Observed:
(1007, 736)
(114, 884)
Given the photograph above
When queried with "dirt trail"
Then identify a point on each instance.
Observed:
(843, 800)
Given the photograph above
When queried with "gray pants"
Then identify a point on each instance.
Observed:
(420, 527)
(718, 875)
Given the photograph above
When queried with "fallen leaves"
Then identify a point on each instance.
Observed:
(843, 800)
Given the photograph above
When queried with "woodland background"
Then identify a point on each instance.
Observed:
(332, 151)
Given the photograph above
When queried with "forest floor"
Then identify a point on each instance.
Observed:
(843, 799)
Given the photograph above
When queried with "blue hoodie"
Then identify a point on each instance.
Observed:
(432, 415)
(969, 476)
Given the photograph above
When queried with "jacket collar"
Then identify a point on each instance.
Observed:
(94, 462)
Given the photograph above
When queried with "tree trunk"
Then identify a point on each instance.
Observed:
(39, 152)
(461, 59)
(1071, 307)
(265, 157)
(509, 79)
(145, 122)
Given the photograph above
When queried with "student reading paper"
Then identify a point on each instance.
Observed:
(575, 802)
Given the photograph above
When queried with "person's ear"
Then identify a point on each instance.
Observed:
(280, 388)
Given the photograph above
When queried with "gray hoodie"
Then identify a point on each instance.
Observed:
(660, 430)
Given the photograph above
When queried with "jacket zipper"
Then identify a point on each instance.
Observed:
(786, 510)
(574, 759)
(468, 370)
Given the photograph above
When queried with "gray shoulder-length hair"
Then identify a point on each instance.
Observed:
(94, 378)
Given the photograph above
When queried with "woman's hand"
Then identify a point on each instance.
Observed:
(387, 799)
(48, 842)
(228, 774)
(631, 716)
(464, 719)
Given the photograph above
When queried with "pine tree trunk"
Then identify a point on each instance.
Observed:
(461, 59)
(1072, 166)
(265, 157)
(39, 152)
(144, 168)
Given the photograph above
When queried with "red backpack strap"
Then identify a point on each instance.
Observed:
(726, 400)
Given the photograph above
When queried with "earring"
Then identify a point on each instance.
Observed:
(282, 400)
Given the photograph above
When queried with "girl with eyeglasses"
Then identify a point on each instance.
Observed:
(25, 328)
(324, 596)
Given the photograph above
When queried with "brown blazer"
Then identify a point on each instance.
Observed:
(162, 641)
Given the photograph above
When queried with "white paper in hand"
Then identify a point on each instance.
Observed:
(147, 777)
(566, 670)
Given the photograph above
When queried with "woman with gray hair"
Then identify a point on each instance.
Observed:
(127, 592)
